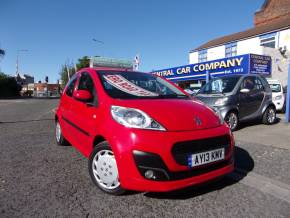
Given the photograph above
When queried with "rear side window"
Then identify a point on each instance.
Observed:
(258, 84)
(70, 86)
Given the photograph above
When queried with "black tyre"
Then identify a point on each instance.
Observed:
(232, 120)
(269, 116)
(103, 169)
(60, 140)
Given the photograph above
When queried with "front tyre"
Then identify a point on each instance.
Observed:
(232, 120)
(269, 116)
(103, 169)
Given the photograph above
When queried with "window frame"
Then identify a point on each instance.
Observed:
(231, 49)
(268, 39)
(202, 55)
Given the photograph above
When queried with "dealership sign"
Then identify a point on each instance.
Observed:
(242, 64)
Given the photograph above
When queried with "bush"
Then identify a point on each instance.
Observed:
(8, 86)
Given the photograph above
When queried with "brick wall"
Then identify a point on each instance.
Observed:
(272, 10)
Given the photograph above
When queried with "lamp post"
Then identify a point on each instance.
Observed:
(17, 59)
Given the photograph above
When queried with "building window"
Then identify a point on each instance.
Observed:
(231, 49)
(268, 40)
(202, 56)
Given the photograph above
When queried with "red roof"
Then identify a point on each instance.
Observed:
(258, 30)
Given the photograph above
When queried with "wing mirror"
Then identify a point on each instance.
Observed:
(82, 95)
(245, 91)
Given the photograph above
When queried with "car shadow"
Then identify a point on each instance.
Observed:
(243, 125)
(244, 163)
(25, 121)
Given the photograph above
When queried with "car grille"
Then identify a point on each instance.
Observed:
(181, 150)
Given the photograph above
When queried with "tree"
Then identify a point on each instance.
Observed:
(70, 67)
(83, 62)
(8, 86)
(2, 52)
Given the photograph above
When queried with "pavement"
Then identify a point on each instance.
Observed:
(40, 179)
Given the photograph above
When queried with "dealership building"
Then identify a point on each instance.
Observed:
(265, 49)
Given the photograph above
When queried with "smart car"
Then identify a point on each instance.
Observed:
(240, 98)
(141, 132)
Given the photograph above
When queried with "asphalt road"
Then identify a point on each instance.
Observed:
(40, 179)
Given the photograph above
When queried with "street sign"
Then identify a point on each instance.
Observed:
(110, 62)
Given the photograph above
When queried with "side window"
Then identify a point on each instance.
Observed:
(248, 83)
(86, 83)
(258, 84)
(70, 86)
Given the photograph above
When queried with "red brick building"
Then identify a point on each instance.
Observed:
(46, 90)
(272, 11)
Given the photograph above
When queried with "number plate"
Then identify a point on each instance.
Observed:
(206, 157)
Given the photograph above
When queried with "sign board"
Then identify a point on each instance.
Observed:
(260, 64)
(242, 64)
(110, 62)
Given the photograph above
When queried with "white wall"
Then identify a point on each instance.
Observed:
(248, 46)
(284, 39)
(193, 58)
(216, 53)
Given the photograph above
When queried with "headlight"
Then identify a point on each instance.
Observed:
(221, 101)
(278, 97)
(134, 118)
(218, 113)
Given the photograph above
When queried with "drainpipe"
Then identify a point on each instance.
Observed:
(287, 114)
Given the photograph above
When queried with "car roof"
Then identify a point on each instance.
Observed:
(273, 81)
(107, 69)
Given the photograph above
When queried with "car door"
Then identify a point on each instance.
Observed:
(65, 109)
(247, 101)
(258, 94)
(85, 114)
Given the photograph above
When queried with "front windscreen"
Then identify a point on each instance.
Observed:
(275, 87)
(134, 85)
(220, 85)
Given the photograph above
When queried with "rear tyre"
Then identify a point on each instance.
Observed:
(103, 169)
(232, 120)
(60, 140)
(269, 116)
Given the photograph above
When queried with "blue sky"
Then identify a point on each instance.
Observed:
(161, 31)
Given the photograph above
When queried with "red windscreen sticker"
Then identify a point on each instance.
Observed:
(126, 86)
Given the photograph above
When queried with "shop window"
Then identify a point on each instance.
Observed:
(268, 40)
(231, 49)
(202, 56)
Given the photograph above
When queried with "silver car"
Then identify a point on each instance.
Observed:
(239, 98)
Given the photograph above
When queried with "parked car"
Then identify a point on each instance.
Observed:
(278, 97)
(140, 132)
(240, 98)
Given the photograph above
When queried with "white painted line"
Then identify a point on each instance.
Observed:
(264, 184)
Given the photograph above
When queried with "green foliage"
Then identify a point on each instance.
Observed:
(82, 63)
(64, 73)
(3, 76)
(8, 86)
(2, 52)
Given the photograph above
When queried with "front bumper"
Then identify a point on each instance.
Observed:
(278, 104)
(131, 147)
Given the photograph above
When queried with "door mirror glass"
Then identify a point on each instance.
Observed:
(245, 90)
(82, 95)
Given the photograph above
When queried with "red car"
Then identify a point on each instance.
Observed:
(141, 132)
